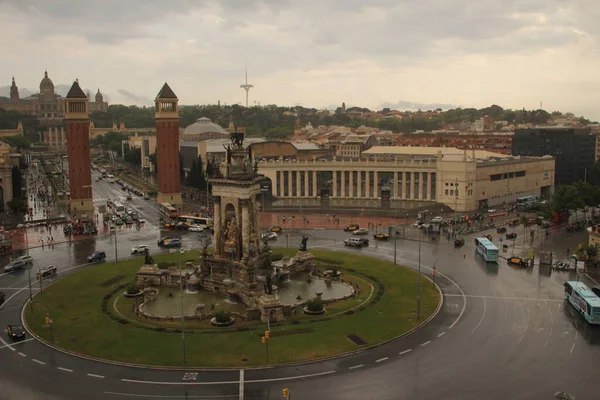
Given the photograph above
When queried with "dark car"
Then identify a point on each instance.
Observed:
(502, 229)
(15, 331)
(97, 256)
(459, 242)
(169, 242)
(511, 235)
(351, 228)
(518, 261)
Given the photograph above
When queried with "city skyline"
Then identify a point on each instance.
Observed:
(317, 54)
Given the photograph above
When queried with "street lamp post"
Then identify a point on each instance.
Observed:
(419, 281)
(28, 269)
(48, 317)
(182, 316)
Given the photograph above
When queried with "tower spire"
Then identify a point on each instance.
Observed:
(246, 86)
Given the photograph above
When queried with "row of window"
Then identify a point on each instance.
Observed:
(508, 175)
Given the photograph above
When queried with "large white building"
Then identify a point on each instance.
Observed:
(461, 179)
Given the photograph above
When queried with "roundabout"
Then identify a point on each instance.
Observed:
(92, 316)
(501, 333)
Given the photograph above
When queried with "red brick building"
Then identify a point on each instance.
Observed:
(166, 118)
(78, 150)
(497, 143)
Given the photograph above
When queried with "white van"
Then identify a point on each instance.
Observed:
(110, 178)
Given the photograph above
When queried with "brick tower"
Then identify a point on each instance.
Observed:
(78, 150)
(166, 118)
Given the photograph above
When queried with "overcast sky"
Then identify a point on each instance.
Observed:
(469, 53)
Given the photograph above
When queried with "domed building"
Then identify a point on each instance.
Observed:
(99, 105)
(48, 107)
(204, 129)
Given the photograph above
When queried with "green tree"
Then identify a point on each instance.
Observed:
(133, 155)
(19, 142)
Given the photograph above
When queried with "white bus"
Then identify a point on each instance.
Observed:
(110, 178)
(118, 207)
(204, 222)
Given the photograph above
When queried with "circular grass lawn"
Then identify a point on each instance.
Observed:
(86, 321)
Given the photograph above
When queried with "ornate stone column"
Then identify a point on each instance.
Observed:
(298, 192)
(217, 225)
(351, 184)
(343, 183)
(395, 191)
(368, 184)
(405, 185)
(376, 193)
(245, 229)
(305, 183)
(289, 174)
(429, 196)
(315, 194)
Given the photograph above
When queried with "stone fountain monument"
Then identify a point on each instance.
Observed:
(231, 271)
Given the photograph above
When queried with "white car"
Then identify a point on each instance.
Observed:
(437, 219)
(26, 259)
(270, 235)
(139, 249)
(48, 271)
(492, 210)
(361, 231)
(195, 228)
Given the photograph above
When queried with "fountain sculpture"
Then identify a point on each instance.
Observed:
(231, 270)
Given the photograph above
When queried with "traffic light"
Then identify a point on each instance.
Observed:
(263, 340)
(267, 334)
(286, 393)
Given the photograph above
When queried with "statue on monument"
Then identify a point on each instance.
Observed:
(228, 152)
(268, 285)
(231, 233)
(148, 260)
(303, 243)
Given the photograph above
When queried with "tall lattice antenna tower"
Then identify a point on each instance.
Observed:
(246, 87)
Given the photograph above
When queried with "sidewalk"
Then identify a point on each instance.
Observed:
(326, 221)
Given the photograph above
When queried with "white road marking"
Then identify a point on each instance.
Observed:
(404, 352)
(572, 348)
(22, 354)
(426, 343)
(64, 369)
(441, 334)
(550, 332)
(499, 297)
(16, 343)
(149, 396)
(241, 384)
(287, 378)
(521, 339)
(356, 366)
(545, 344)
(38, 361)
(96, 376)
(381, 359)
(482, 316)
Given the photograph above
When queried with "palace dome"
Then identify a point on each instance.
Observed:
(46, 85)
(203, 125)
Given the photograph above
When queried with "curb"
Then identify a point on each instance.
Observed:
(254, 368)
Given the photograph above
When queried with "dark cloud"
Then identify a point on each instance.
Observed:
(404, 105)
(137, 99)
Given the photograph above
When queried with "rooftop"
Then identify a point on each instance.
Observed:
(429, 151)
(204, 125)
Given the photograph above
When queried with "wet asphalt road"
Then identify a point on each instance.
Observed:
(502, 333)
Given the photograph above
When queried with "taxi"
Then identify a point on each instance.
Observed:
(276, 229)
(517, 261)
(351, 228)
